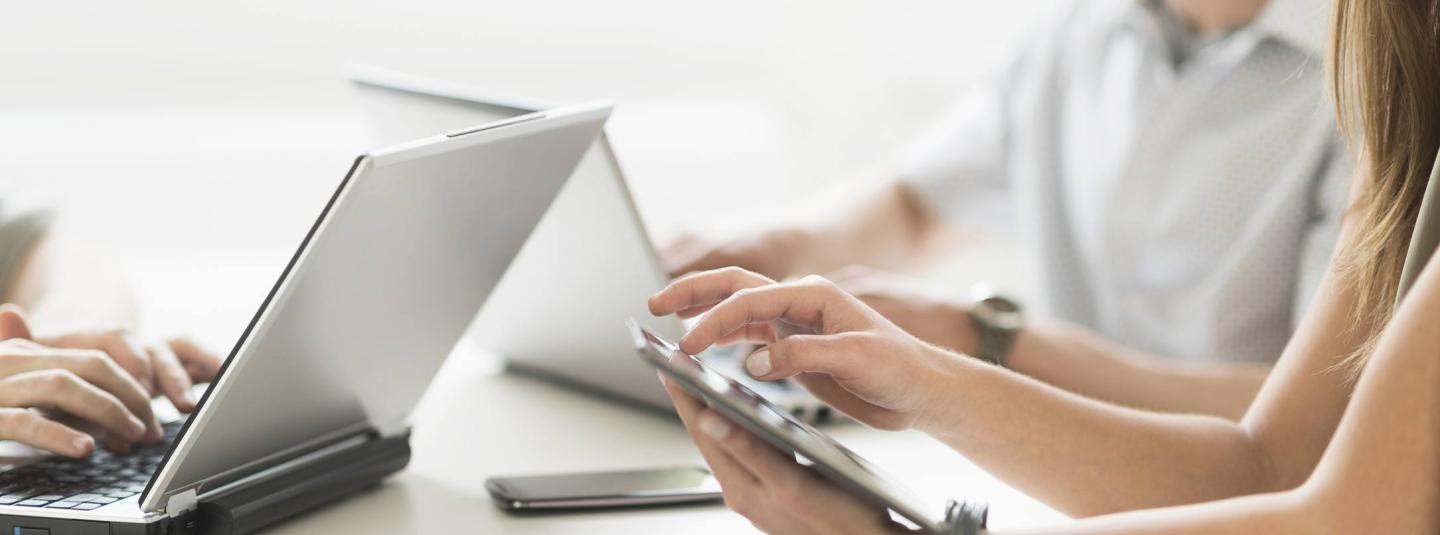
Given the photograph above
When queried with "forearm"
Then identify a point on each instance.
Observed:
(884, 227)
(1380, 473)
(1277, 513)
(1087, 457)
(1079, 361)
(1382, 466)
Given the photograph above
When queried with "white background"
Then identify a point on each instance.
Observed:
(198, 139)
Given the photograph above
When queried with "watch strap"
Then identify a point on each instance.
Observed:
(994, 343)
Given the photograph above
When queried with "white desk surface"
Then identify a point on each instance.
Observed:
(476, 423)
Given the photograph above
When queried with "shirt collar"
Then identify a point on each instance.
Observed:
(1303, 24)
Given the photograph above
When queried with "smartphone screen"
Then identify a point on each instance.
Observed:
(605, 489)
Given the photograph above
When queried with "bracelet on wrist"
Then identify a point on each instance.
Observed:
(966, 518)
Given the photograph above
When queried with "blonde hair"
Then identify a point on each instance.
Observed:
(1385, 75)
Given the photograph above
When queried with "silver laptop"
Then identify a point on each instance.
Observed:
(312, 403)
(560, 311)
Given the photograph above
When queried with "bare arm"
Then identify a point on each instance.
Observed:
(1085, 363)
(1065, 355)
(883, 226)
(1061, 447)
(1072, 445)
(887, 227)
(1381, 474)
(1055, 445)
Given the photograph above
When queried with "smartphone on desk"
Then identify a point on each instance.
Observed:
(597, 490)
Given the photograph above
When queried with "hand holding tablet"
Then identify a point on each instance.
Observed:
(857, 480)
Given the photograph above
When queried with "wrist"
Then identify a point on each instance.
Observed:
(964, 333)
(937, 389)
(1041, 350)
(963, 402)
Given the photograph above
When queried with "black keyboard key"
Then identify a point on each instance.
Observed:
(104, 477)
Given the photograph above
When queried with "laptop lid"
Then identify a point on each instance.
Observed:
(591, 247)
(398, 262)
(1426, 235)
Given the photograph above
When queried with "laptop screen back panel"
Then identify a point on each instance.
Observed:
(561, 308)
(374, 300)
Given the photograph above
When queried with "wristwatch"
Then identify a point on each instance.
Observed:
(997, 320)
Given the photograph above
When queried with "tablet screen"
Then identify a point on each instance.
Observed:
(777, 427)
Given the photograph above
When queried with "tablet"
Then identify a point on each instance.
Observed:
(812, 448)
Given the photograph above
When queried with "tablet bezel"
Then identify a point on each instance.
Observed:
(826, 456)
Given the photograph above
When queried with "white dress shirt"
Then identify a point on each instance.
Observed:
(1180, 194)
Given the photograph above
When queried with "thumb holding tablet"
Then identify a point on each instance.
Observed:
(763, 485)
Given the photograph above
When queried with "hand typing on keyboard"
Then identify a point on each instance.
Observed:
(169, 368)
(104, 387)
(84, 484)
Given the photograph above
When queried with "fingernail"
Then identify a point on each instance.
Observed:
(758, 364)
(137, 428)
(714, 426)
(82, 445)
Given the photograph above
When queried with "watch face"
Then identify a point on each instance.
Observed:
(1002, 305)
(999, 312)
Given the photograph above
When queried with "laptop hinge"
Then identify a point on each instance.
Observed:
(399, 428)
(181, 502)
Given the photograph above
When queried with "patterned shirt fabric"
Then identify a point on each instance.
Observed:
(1178, 193)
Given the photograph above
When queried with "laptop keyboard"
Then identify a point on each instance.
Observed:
(84, 484)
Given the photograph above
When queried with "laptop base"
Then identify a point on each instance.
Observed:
(251, 507)
(258, 506)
